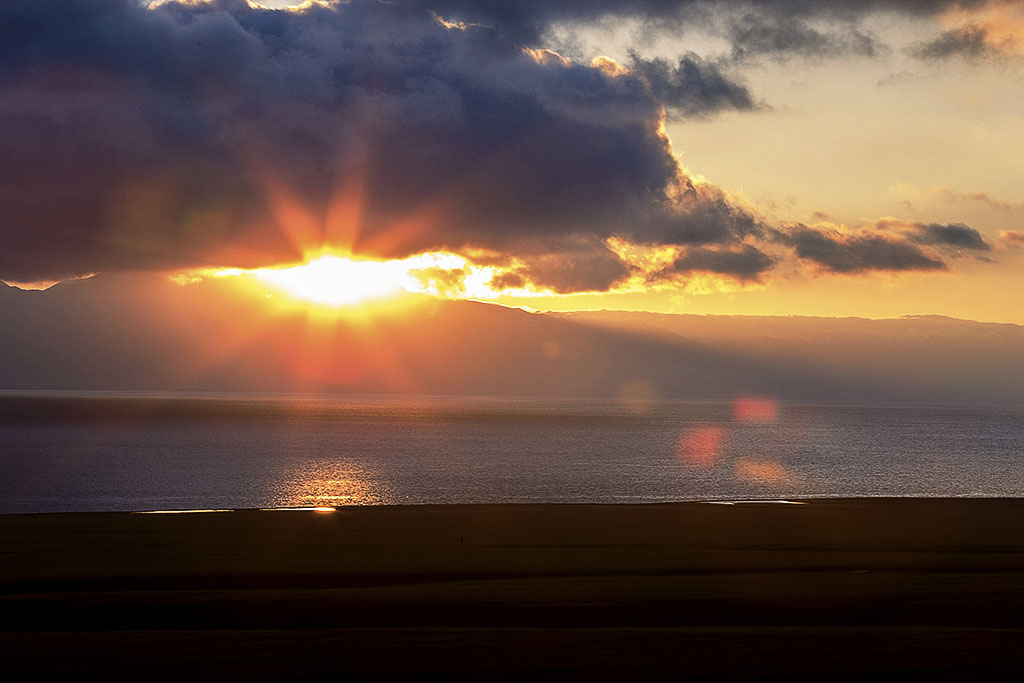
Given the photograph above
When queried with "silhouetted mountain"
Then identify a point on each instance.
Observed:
(135, 332)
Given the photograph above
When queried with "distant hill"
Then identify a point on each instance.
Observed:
(135, 332)
(914, 358)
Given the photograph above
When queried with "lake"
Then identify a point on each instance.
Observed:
(96, 451)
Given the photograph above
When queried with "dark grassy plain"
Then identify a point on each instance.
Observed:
(831, 589)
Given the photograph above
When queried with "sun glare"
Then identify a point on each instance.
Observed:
(337, 281)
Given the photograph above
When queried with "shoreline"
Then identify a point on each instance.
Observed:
(801, 499)
(833, 587)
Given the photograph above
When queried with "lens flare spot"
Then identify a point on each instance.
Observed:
(700, 446)
(754, 409)
(762, 472)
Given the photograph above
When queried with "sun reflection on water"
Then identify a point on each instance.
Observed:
(323, 486)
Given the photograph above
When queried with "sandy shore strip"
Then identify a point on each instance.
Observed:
(836, 588)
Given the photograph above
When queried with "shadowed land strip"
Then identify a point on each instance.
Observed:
(834, 587)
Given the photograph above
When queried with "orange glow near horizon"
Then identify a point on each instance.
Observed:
(331, 279)
(337, 280)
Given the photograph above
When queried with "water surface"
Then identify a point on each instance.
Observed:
(144, 452)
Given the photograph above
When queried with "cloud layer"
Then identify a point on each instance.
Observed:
(203, 133)
(221, 134)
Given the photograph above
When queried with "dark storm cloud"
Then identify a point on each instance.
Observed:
(840, 253)
(194, 134)
(954, 235)
(744, 263)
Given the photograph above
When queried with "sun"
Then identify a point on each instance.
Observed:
(337, 280)
(334, 280)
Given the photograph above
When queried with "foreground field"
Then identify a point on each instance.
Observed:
(836, 588)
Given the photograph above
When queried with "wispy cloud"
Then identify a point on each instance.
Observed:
(981, 197)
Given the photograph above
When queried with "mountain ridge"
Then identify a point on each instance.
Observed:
(131, 332)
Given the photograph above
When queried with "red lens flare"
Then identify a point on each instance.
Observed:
(700, 445)
(755, 409)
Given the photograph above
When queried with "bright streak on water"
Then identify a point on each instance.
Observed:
(176, 512)
(754, 502)
(159, 453)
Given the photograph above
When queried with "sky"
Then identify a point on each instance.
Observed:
(779, 157)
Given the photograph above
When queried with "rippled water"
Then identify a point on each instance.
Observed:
(76, 453)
